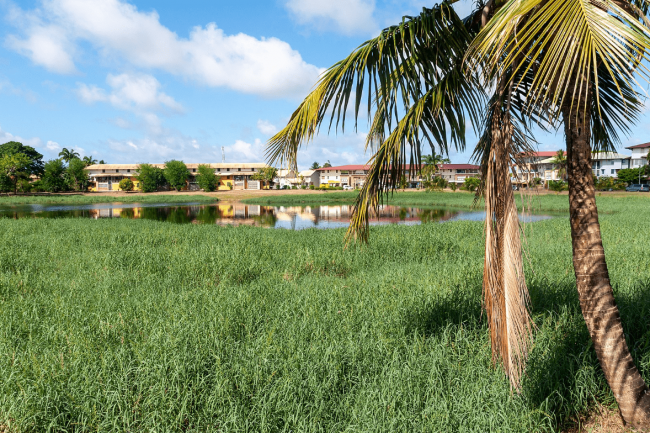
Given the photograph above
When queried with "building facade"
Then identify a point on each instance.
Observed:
(457, 173)
(607, 164)
(639, 156)
(106, 177)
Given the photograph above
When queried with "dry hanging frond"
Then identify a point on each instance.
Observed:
(505, 294)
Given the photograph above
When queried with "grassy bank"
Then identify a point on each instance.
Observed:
(533, 201)
(101, 198)
(117, 325)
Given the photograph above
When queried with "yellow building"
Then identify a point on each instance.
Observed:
(106, 177)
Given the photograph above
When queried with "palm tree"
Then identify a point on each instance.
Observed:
(327, 164)
(315, 166)
(556, 63)
(68, 155)
(585, 57)
(559, 160)
(88, 160)
(431, 163)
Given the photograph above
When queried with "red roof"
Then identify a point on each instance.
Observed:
(355, 167)
(546, 154)
(346, 167)
(458, 167)
(639, 146)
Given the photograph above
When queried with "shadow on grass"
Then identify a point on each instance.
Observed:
(563, 376)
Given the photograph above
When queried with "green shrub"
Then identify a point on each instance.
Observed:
(471, 184)
(54, 176)
(557, 185)
(207, 178)
(126, 184)
(311, 187)
(176, 174)
(151, 178)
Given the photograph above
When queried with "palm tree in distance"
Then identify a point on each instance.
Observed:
(68, 155)
(327, 164)
(88, 160)
(557, 63)
(431, 165)
(559, 160)
(315, 166)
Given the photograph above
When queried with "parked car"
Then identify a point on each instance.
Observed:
(638, 187)
(347, 188)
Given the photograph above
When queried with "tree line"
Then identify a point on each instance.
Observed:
(22, 169)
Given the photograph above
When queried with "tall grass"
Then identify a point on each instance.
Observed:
(525, 200)
(118, 325)
(100, 198)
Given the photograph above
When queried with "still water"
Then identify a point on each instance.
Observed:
(235, 214)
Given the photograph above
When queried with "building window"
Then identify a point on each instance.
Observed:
(194, 170)
(239, 169)
(227, 169)
(103, 171)
(252, 169)
(128, 170)
(613, 171)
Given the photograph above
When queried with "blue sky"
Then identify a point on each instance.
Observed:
(148, 81)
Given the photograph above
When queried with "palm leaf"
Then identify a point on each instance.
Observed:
(395, 69)
(572, 46)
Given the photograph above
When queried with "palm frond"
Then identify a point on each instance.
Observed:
(571, 46)
(440, 111)
(505, 295)
(395, 69)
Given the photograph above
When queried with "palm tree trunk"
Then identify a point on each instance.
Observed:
(592, 278)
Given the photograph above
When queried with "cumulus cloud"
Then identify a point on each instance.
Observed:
(266, 127)
(347, 16)
(130, 92)
(267, 66)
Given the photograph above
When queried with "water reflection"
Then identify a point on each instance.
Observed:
(288, 217)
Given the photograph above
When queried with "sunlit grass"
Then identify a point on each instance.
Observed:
(101, 198)
(117, 325)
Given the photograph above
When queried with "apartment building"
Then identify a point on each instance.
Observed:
(457, 173)
(106, 177)
(343, 175)
(537, 165)
(639, 156)
(608, 163)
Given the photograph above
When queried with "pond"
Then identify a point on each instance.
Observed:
(286, 217)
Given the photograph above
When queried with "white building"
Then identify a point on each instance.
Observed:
(309, 177)
(608, 163)
(639, 155)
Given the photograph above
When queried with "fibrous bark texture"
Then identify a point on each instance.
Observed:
(592, 277)
(505, 293)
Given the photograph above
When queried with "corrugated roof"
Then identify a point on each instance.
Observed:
(639, 146)
(608, 155)
(458, 167)
(545, 154)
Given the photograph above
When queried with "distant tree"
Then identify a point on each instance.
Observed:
(471, 183)
(76, 176)
(431, 163)
(101, 161)
(631, 175)
(557, 185)
(176, 173)
(88, 160)
(207, 179)
(315, 166)
(151, 178)
(327, 164)
(68, 155)
(14, 168)
(266, 175)
(559, 160)
(126, 184)
(54, 176)
(14, 147)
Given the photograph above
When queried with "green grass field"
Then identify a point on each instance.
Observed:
(117, 325)
(532, 201)
(100, 198)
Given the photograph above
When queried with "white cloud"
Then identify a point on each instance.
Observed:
(53, 146)
(266, 127)
(130, 92)
(348, 16)
(5, 137)
(268, 66)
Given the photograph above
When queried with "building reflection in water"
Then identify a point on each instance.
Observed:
(290, 217)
